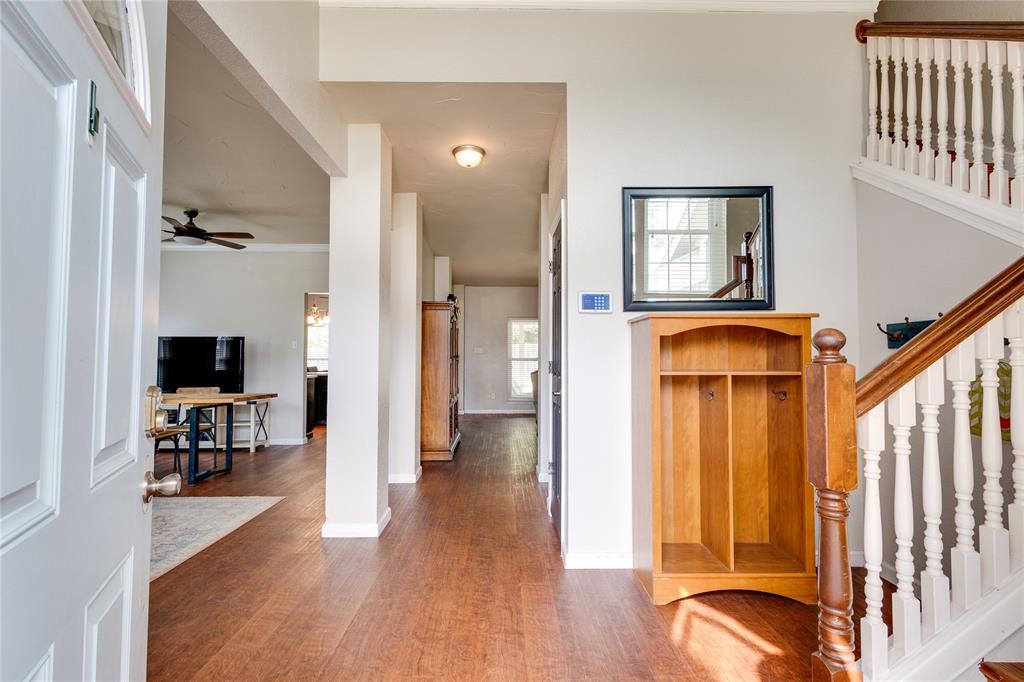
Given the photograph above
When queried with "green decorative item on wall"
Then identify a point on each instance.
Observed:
(1003, 393)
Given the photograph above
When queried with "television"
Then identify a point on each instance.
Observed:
(201, 361)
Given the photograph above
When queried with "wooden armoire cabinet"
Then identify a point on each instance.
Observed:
(720, 491)
(439, 382)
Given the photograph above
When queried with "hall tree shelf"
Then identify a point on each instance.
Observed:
(721, 498)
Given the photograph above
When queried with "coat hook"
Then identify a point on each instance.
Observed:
(893, 336)
(781, 395)
(710, 395)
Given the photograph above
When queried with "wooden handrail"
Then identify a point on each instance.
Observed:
(931, 345)
(957, 30)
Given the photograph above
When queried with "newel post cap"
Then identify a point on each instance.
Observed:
(829, 342)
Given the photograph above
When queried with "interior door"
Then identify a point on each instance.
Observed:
(556, 379)
(79, 278)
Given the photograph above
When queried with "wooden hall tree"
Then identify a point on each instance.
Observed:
(721, 497)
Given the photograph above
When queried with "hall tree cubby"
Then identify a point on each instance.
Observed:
(720, 490)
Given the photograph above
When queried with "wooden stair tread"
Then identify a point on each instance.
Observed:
(1002, 672)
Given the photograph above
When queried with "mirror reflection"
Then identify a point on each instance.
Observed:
(698, 248)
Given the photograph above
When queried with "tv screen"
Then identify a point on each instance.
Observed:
(194, 361)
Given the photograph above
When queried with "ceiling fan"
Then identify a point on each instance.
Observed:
(192, 233)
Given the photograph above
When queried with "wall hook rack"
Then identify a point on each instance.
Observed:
(898, 333)
(781, 395)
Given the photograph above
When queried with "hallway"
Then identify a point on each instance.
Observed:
(465, 583)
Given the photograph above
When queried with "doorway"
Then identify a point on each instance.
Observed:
(315, 364)
(556, 380)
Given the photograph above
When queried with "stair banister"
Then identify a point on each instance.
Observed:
(840, 412)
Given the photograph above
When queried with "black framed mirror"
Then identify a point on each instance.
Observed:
(697, 248)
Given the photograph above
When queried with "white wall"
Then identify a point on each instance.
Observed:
(272, 49)
(442, 277)
(487, 311)
(259, 296)
(427, 271)
(460, 325)
(654, 99)
(916, 263)
(406, 324)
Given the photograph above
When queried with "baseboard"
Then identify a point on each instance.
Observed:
(356, 530)
(583, 561)
(856, 558)
(499, 412)
(406, 478)
(286, 441)
(965, 641)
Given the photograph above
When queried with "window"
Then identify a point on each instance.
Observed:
(316, 347)
(683, 242)
(523, 355)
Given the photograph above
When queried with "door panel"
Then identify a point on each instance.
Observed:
(122, 200)
(79, 252)
(37, 138)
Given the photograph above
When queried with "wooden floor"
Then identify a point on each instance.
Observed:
(465, 583)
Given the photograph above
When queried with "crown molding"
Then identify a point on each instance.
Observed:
(249, 248)
(861, 7)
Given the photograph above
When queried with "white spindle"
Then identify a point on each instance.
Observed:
(872, 138)
(999, 187)
(1013, 327)
(964, 559)
(993, 537)
(960, 165)
(944, 169)
(979, 172)
(1015, 60)
(925, 51)
(906, 609)
(931, 393)
(911, 154)
(898, 158)
(874, 636)
(885, 148)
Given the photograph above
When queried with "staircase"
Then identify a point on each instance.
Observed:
(945, 615)
(945, 119)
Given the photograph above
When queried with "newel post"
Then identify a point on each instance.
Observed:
(832, 470)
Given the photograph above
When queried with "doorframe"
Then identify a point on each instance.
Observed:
(549, 222)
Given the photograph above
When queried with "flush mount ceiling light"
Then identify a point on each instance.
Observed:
(468, 155)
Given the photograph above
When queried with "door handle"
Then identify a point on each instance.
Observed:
(168, 486)
(156, 419)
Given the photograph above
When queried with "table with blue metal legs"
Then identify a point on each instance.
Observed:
(194, 417)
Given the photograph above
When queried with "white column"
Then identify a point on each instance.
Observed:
(406, 322)
(871, 147)
(979, 172)
(885, 143)
(925, 50)
(874, 636)
(931, 394)
(994, 539)
(911, 154)
(1013, 327)
(960, 166)
(964, 559)
(943, 168)
(357, 414)
(1015, 60)
(1000, 186)
(906, 609)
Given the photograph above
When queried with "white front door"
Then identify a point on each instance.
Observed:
(79, 278)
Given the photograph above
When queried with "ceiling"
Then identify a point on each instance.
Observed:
(225, 155)
(485, 218)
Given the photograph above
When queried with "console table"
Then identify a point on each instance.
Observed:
(194, 402)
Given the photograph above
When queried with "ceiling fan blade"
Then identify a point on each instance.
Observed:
(169, 239)
(172, 221)
(230, 245)
(233, 235)
(169, 231)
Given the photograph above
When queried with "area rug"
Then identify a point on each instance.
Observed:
(185, 526)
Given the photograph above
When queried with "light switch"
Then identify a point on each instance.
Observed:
(478, 350)
(295, 345)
